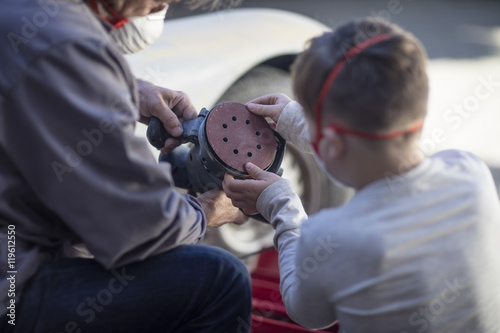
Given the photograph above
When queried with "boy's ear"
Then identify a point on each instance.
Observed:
(334, 145)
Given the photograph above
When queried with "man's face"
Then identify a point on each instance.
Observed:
(129, 8)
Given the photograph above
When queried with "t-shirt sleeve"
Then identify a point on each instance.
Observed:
(71, 120)
(299, 257)
(292, 126)
(308, 302)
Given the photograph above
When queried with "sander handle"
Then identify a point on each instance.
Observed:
(157, 134)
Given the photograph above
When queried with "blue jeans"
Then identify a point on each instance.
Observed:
(193, 288)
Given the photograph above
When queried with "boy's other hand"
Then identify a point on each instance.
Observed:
(269, 105)
(244, 193)
(219, 210)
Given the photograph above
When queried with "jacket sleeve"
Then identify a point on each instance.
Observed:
(71, 120)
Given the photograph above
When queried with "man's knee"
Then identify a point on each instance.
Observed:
(210, 261)
(228, 273)
(226, 261)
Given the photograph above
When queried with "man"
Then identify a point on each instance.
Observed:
(75, 181)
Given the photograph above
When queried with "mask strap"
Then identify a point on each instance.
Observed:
(116, 20)
(376, 136)
(318, 107)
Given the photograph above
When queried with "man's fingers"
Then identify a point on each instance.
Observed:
(182, 107)
(240, 218)
(170, 144)
(171, 122)
(174, 107)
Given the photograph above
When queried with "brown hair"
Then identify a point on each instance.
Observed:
(384, 87)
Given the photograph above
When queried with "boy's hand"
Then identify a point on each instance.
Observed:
(269, 105)
(219, 210)
(244, 193)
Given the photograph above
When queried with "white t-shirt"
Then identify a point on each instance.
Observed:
(419, 252)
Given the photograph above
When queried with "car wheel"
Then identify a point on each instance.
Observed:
(313, 187)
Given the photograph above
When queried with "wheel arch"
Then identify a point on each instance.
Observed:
(281, 62)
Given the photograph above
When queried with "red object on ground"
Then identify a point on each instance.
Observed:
(268, 312)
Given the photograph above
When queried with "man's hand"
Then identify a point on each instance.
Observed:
(219, 210)
(244, 193)
(269, 105)
(170, 106)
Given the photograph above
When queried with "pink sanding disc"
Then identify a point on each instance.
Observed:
(238, 136)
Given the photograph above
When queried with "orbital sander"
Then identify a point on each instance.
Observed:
(223, 140)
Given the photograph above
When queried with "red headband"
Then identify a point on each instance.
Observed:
(318, 107)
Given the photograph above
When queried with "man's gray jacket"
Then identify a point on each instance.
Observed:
(71, 169)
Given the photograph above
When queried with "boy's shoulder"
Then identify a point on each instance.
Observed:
(443, 170)
(456, 167)
(458, 157)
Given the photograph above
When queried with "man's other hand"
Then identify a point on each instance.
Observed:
(219, 210)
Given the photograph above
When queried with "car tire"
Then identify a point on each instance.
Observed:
(313, 187)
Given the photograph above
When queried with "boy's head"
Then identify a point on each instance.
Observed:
(366, 81)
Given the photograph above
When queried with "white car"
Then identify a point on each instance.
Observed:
(238, 55)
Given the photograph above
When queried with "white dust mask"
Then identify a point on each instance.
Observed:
(139, 32)
(323, 168)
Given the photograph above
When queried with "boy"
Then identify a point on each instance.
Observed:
(416, 249)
